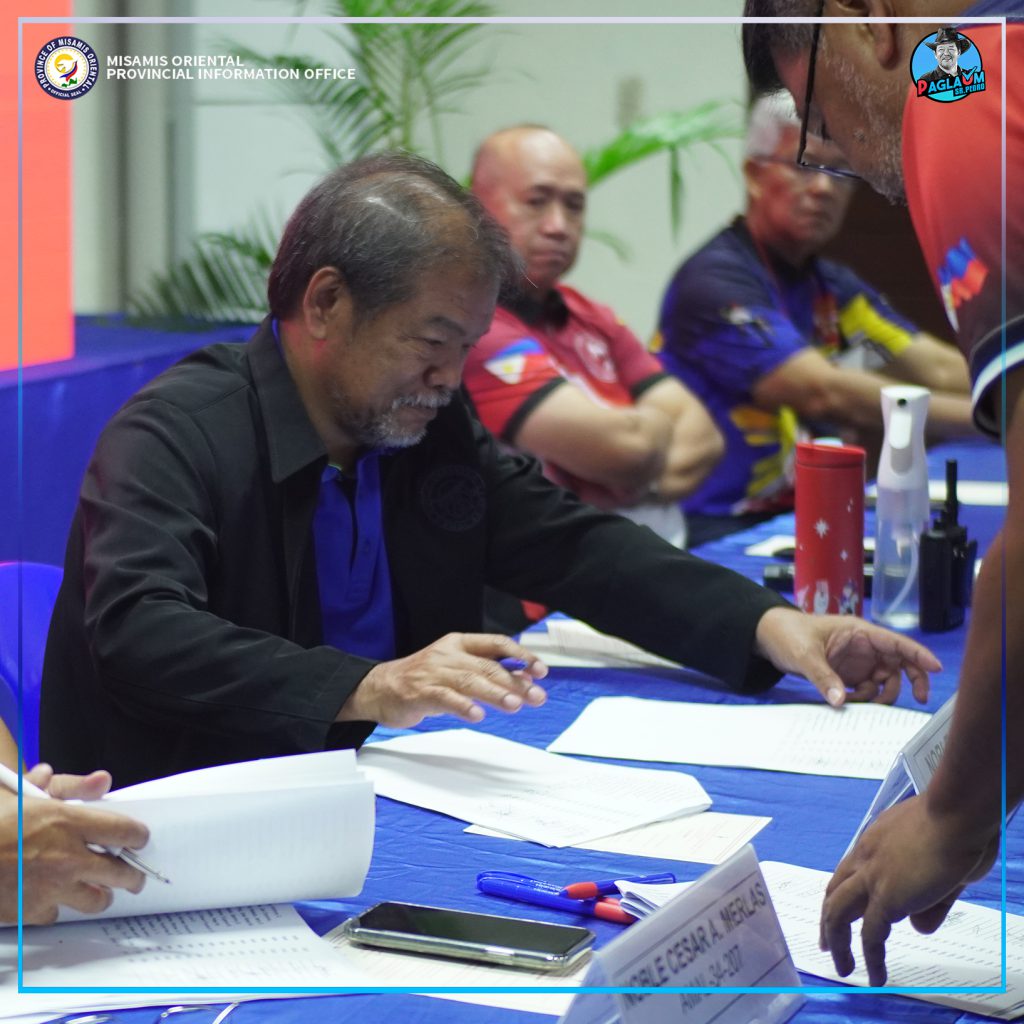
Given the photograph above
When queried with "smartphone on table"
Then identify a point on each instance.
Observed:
(511, 941)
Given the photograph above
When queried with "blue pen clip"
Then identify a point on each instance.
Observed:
(511, 878)
(512, 665)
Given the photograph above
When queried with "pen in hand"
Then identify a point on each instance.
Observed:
(9, 779)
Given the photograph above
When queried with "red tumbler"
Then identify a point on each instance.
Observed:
(829, 561)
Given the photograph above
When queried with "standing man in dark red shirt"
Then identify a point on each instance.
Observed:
(943, 153)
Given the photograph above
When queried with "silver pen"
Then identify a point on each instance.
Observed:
(9, 779)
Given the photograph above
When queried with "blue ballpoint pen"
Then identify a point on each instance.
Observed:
(542, 894)
(607, 886)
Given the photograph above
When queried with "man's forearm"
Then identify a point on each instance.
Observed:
(695, 450)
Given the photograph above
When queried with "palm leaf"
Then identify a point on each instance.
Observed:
(672, 133)
(222, 280)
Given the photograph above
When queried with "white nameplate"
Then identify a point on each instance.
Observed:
(913, 767)
(722, 932)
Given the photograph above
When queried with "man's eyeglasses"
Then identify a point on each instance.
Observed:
(808, 171)
(835, 172)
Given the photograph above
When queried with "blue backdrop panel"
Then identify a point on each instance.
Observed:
(64, 407)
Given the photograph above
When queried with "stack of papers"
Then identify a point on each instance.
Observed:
(521, 791)
(270, 831)
(641, 899)
(858, 741)
(964, 953)
(224, 949)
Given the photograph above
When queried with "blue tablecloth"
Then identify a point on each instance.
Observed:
(426, 857)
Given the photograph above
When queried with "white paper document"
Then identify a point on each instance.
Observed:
(574, 643)
(963, 953)
(239, 947)
(772, 546)
(913, 767)
(392, 968)
(993, 493)
(858, 741)
(641, 899)
(706, 838)
(270, 831)
(972, 492)
(522, 791)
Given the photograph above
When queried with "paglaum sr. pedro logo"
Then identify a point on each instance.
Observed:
(946, 66)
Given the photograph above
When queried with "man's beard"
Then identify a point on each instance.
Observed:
(884, 138)
(384, 430)
(948, 67)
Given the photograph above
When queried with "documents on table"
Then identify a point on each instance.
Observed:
(641, 899)
(706, 838)
(993, 493)
(964, 953)
(406, 970)
(270, 831)
(571, 642)
(857, 741)
(246, 946)
(522, 791)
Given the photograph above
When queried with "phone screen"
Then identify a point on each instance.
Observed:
(479, 929)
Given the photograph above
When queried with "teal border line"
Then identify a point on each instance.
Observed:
(831, 988)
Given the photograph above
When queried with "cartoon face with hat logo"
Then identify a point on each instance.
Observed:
(948, 79)
(948, 46)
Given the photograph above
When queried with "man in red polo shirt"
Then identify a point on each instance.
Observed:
(561, 376)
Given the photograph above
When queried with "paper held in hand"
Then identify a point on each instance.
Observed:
(270, 831)
(912, 768)
(720, 933)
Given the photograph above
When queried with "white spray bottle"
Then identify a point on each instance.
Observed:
(901, 510)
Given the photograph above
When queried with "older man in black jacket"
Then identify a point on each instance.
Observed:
(280, 544)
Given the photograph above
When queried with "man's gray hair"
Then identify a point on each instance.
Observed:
(381, 221)
(770, 116)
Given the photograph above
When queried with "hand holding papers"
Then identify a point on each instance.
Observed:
(522, 791)
(276, 830)
(913, 766)
(9, 780)
(858, 741)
